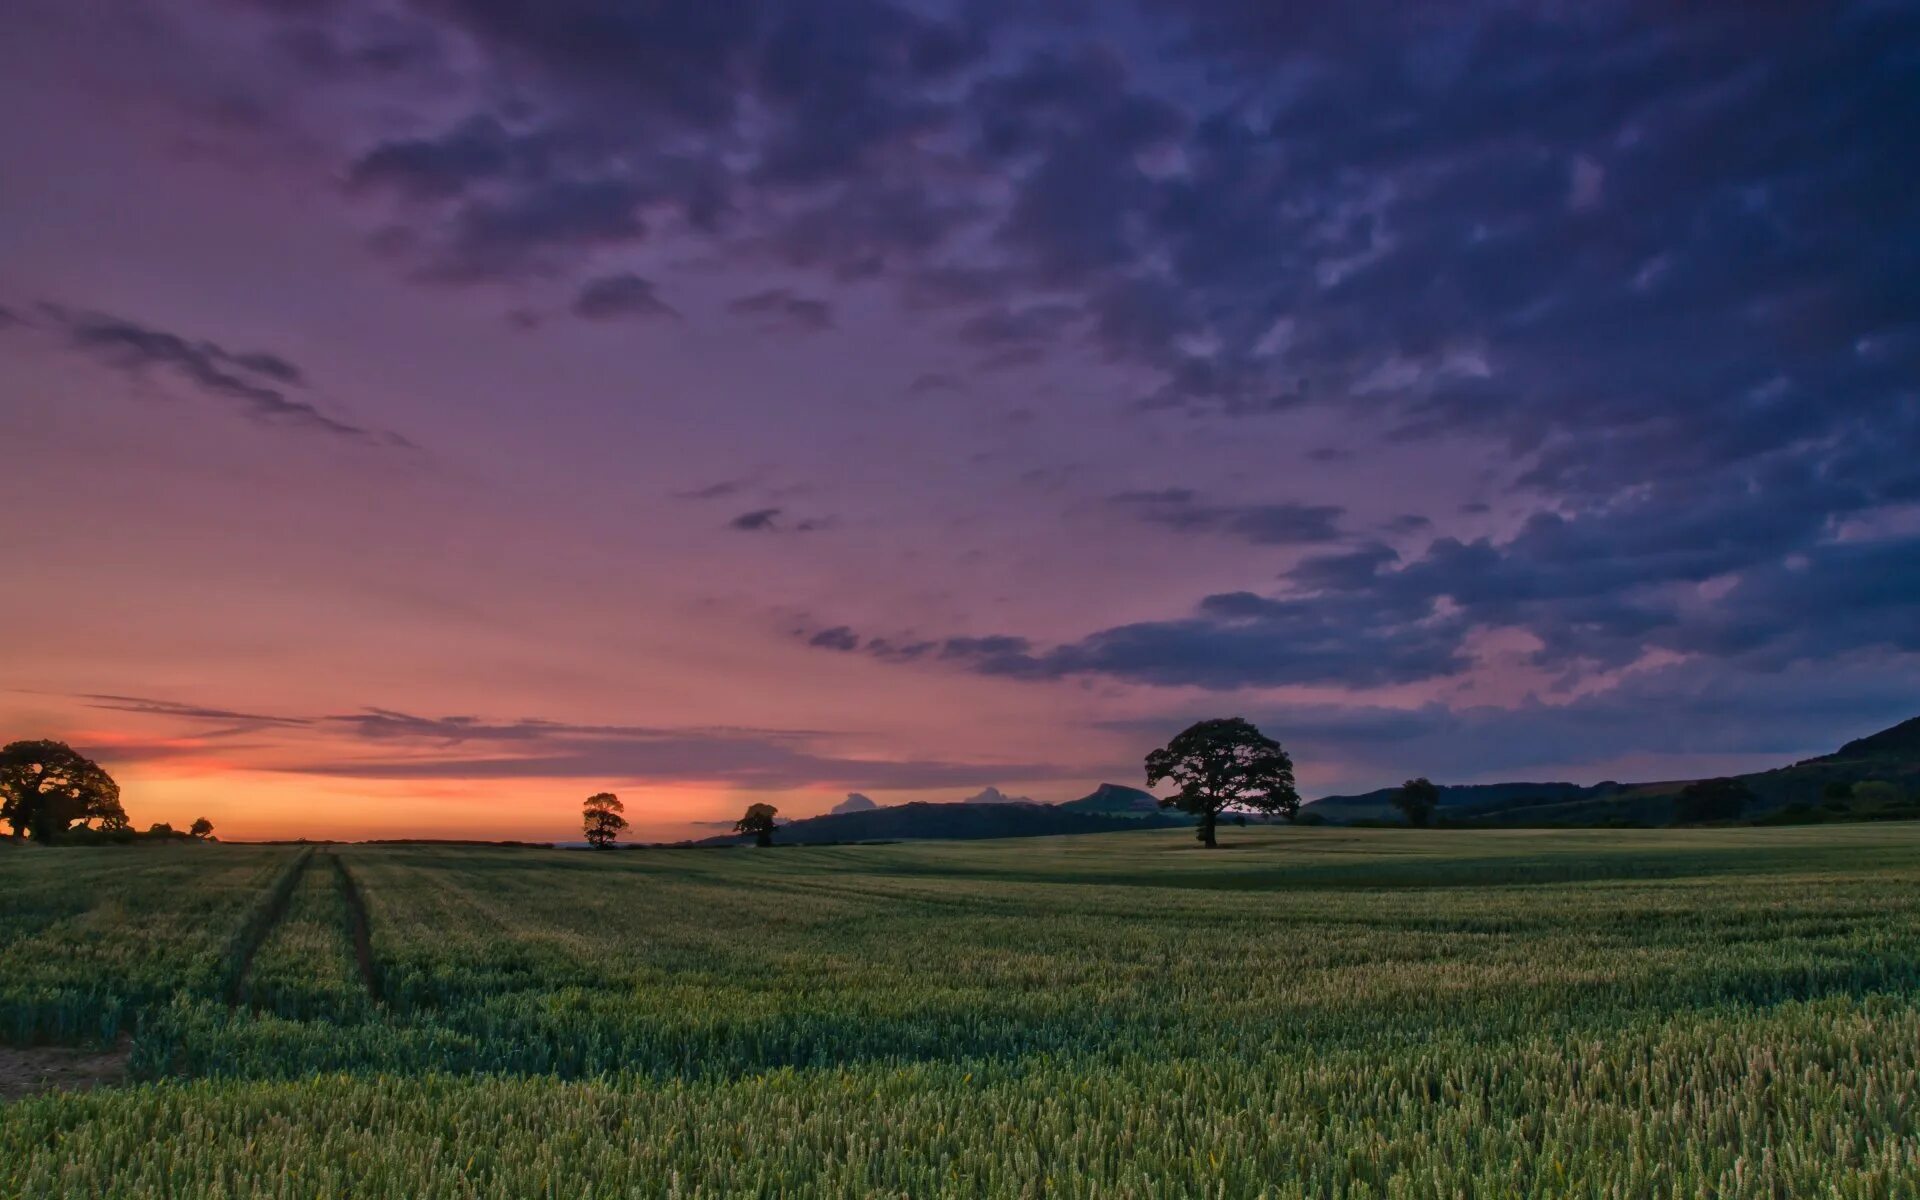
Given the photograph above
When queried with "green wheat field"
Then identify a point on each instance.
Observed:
(1305, 1012)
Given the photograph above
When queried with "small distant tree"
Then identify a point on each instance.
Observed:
(46, 788)
(160, 829)
(758, 821)
(1711, 800)
(1872, 794)
(1417, 798)
(1224, 764)
(201, 828)
(603, 819)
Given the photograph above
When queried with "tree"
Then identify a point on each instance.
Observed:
(758, 821)
(603, 819)
(1872, 794)
(201, 828)
(1417, 798)
(1221, 764)
(1711, 800)
(46, 788)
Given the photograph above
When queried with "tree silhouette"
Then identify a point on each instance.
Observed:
(201, 828)
(1417, 798)
(1221, 764)
(1711, 800)
(603, 819)
(46, 788)
(758, 821)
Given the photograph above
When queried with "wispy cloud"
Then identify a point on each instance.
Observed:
(384, 743)
(261, 384)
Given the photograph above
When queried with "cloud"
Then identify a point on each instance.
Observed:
(773, 520)
(1286, 524)
(1592, 247)
(261, 384)
(757, 519)
(1653, 724)
(1174, 187)
(240, 721)
(713, 491)
(838, 638)
(930, 383)
(439, 168)
(618, 296)
(383, 743)
(780, 308)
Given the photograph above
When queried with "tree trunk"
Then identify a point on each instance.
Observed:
(763, 839)
(1206, 830)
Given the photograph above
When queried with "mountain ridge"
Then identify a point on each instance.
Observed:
(1890, 756)
(921, 820)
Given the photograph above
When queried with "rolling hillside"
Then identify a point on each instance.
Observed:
(1891, 757)
(952, 822)
(1115, 800)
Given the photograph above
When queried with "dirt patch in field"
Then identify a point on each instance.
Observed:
(31, 1070)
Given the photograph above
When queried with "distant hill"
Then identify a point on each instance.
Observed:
(993, 795)
(902, 822)
(1378, 804)
(1891, 756)
(1115, 800)
(1900, 742)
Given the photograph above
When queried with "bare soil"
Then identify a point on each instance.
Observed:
(28, 1071)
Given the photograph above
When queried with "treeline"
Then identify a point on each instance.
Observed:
(51, 793)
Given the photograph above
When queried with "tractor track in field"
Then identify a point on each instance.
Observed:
(254, 933)
(358, 927)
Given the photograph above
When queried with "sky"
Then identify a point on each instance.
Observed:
(421, 414)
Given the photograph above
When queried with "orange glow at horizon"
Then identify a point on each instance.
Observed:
(249, 805)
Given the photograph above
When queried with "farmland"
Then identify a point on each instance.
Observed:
(1730, 1012)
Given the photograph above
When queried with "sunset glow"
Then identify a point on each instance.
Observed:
(417, 420)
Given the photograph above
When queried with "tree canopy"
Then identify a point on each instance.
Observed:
(1221, 764)
(759, 822)
(603, 820)
(1711, 800)
(1417, 798)
(47, 788)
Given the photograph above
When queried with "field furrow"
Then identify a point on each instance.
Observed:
(1316, 1013)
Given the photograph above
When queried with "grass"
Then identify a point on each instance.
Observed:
(1310, 1012)
(93, 939)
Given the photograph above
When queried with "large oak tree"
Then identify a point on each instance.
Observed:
(1224, 764)
(603, 820)
(759, 822)
(1417, 798)
(46, 788)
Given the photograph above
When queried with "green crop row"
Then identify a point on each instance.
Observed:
(1313, 1012)
(304, 969)
(93, 939)
(1805, 1099)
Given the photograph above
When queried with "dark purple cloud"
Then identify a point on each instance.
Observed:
(1286, 524)
(781, 308)
(1149, 345)
(616, 296)
(263, 385)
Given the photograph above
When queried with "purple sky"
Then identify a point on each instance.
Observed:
(422, 413)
